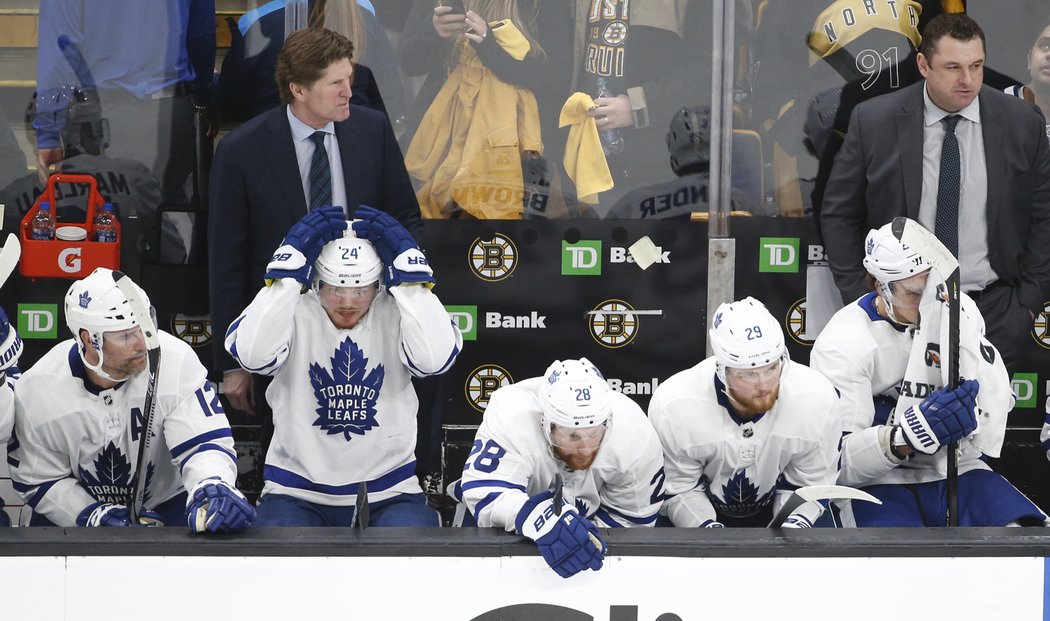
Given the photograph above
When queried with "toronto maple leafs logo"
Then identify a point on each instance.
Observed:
(346, 398)
(85, 299)
(112, 479)
(581, 507)
(740, 497)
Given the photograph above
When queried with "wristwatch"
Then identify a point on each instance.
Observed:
(897, 439)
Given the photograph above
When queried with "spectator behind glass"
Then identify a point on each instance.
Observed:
(482, 123)
(151, 61)
(246, 84)
(1037, 91)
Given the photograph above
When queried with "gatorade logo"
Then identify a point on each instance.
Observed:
(1024, 386)
(778, 255)
(494, 259)
(466, 320)
(69, 260)
(38, 321)
(582, 258)
(482, 382)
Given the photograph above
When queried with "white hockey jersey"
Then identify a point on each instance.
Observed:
(343, 403)
(719, 465)
(511, 461)
(75, 444)
(865, 357)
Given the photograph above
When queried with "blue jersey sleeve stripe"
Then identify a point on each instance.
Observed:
(604, 511)
(214, 434)
(38, 495)
(607, 518)
(416, 371)
(492, 483)
(286, 478)
(209, 447)
(484, 502)
(1046, 445)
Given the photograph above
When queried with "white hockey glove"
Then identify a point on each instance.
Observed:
(796, 521)
(402, 259)
(10, 344)
(569, 542)
(301, 247)
(944, 417)
(216, 506)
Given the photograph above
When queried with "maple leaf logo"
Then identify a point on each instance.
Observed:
(346, 398)
(581, 507)
(740, 497)
(112, 480)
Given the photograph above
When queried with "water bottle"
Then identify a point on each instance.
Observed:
(612, 139)
(105, 224)
(43, 224)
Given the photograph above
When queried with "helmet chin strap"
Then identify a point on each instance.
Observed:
(97, 368)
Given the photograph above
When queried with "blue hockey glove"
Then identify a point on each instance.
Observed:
(944, 417)
(216, 506)
(712, 524)
(403, 261)
(796, 521)
(303, 243)
(110, 515)
(10, 344)
(569, 542)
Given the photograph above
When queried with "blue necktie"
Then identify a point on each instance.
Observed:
(320, 173)
(947, 221)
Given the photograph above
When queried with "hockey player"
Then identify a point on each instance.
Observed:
(882, 353)
(745, 428)
(10, 349)
(343, 325)
(79, 419)
(568, 423)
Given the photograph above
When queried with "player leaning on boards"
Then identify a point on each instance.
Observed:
(566, 426)
(79, 421)
(883, 353)
(745, 428)
(10, 350)
(346, 319)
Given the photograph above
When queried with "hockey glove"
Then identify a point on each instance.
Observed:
(712, 524)
(402, 259)
(796, 521)
(216, 506)
(301, 247)
(944, 417)
(107, 514)
(569, 542)
(10, 344)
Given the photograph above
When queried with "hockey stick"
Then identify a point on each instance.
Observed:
(9, 256)
(912, 234)
(361, 507)
(149, 331)
(818, 492)
(559, 502)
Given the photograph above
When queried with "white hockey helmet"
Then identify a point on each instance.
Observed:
(573, 394)
(744, 335)
(96, 304)
(887, 259)
(347, 262)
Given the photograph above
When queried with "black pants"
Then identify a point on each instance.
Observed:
(1007, 322)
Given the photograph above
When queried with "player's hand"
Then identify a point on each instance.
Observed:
(216, 506)
(403, 261)
(10, 344)
(944, 417)
(300, 248)
(796, 521)
(569, 543)
(612, 112)
(239, 388)
(477, 29)
(45, 158)
(113, 515)
(448, 24)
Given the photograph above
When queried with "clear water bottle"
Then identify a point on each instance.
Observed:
(105, 224)
(43, 224)
(612, 139)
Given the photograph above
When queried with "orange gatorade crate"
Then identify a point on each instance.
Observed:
(58, 258)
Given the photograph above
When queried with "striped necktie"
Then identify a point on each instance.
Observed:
(320, 173)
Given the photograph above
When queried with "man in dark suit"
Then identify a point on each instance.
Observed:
(266, 175)
(890, 164)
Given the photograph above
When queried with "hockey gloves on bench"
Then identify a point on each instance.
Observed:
(568, 542)
(108, 514)
(216, 506)
(300, 248)
(403, 261)
(944, 417)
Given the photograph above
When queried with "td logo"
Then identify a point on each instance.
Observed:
(582, 258)
(778, 254)
(466, 319)
(38, 321)
(1024, 386)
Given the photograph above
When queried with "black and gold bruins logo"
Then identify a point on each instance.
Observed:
(795, 323)
(194, 329)
(495, 259)
(614, 323)
(1041, 326)
(482, 382)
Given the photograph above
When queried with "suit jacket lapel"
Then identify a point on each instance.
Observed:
(284, 167)
(909, 137)
(994, 152)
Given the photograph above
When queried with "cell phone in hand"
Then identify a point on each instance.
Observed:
(457, 6)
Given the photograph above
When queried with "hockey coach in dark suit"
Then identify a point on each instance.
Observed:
(990, 203)
(316, 150)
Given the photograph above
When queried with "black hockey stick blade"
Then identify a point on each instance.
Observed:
(361, 507)
(818, 492)
(558, 499)
(149, 331)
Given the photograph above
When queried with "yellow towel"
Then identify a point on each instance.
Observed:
(510, 38)
(584, 160)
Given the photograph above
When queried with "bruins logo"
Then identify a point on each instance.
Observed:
(1041, 326)
(615, 34)
(482, 382)
(795, 323)
(495, 259)
(614, 323)
(194, 329)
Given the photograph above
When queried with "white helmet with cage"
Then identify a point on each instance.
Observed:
(96, 304)
(347, 262)
(575, 395)
(889, 260)
(744, 335)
